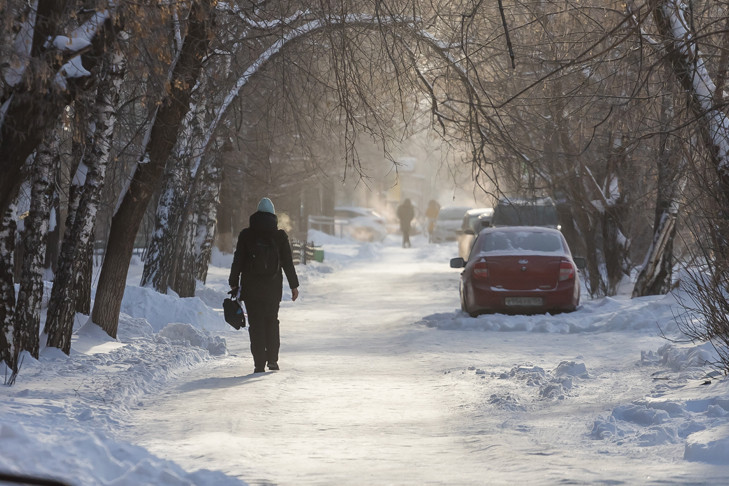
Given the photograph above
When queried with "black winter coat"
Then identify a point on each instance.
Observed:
(405, 213)
(254, 287)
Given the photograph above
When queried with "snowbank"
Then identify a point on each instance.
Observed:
(160, 309)
(57, 421)
(89, 457)
(689, 405)
(608, 314)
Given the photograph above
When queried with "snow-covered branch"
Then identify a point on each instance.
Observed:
(314, 26)
(691, 69)
(79, 41)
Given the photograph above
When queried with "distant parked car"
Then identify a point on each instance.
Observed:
(519, 269)
(448, 223)
(512, 211)
(362, 224)
(473, 222)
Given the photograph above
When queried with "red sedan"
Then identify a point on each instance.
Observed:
(519, 269)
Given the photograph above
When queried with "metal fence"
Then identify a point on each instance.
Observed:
(325, 224)
(328, 224)
(306, 252)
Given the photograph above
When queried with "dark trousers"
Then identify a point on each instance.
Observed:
(405, 236)
(263, 331)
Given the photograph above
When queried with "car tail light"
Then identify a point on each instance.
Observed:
(480, 269)
(566, 271)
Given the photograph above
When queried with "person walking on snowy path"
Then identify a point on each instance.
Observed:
(262, 251)
(405, 213)
(431, 213)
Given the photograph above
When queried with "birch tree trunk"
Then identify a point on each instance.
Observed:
(205, 191)
(85, 276)
(615, 244)
(656, 275)
(72, 274)
(184, 277)
(54, 235)
(75, 190)
(35, 237)
(128, 217)
(169, 219)
(690, 69)
(163, 249)
(208, 202)
(7, 287)
(83, 112)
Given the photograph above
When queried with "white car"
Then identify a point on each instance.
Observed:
(362, 224)
(448, 223)
(473, 222)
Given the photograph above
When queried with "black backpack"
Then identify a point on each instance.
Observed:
(262, 256)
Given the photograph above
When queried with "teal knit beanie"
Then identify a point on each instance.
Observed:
(266, 206)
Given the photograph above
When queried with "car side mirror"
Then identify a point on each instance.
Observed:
(458, 262)
(580, 262)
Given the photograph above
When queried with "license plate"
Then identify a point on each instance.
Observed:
(523, 301)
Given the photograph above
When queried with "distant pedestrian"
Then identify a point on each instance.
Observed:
(431, 213)
(262, 251)
(405, 213)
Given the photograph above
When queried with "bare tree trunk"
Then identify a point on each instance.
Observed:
(62, 307)
(7, 287)
(586, 225)
(615, 243)
(205, 190)
(164, 247)
(184, 276)
(656, 275)
(169, 221)
(72, 285)
(79, 143)
(54, 235)
(84, 277)
(208, 202)
(614, 249)
(688, 65)
(35, 236)
(126, 221)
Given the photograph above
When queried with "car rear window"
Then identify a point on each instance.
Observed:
(514, 241)
(525, 215)
(452, 213)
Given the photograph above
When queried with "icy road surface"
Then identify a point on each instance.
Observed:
(384, 381)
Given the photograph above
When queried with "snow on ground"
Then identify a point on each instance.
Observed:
(383, 380)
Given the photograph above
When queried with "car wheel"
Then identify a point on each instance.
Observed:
(464, 306)
(462, 297)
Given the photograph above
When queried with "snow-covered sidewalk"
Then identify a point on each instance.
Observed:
(383, 380)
